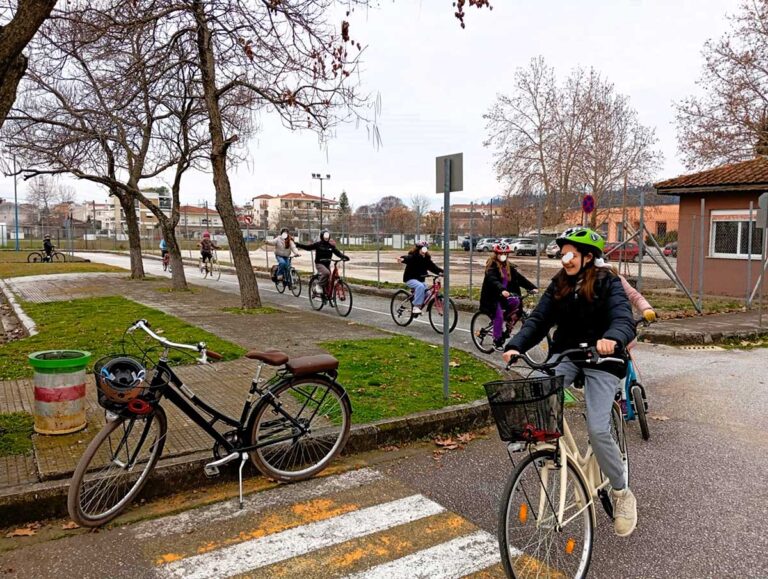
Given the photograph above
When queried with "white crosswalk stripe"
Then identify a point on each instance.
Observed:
(243, 557)
(450, 560)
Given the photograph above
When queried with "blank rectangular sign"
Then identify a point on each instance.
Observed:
(457, 172)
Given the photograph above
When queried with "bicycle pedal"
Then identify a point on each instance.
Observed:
(211, 471)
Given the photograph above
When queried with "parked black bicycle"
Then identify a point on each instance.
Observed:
(291, 426)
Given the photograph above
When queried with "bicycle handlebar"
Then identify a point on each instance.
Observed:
(592, 357)
(200, 347)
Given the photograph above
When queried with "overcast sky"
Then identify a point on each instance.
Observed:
(437, 80)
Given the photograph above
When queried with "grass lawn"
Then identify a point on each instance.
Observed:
(672, 306)
(390, 377)
(97, 325)
(15, 433)
(14, 264)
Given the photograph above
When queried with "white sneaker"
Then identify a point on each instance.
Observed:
(624, 512)
(416, 311)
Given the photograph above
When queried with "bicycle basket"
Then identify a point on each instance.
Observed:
(527, 410)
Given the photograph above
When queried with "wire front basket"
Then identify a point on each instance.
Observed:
(527, 410)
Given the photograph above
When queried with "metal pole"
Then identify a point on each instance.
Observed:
(539, 219)
(749, 254)
(490, 234)
(471, 249)
(701, 256)
(378, 254)
(640, 242)
(321, 203)
(15, 203)
(447, 279)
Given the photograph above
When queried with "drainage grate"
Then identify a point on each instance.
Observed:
(702, 347)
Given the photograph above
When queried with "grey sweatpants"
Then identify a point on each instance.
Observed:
(599, 390)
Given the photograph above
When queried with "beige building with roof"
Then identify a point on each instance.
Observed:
(299, 210)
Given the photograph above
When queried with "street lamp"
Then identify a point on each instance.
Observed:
(321, 178)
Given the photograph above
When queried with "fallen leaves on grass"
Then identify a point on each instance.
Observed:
(70, 525)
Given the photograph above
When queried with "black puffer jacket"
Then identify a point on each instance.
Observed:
(493, 285)
(324, 251)
(578, 321)
(417, 266)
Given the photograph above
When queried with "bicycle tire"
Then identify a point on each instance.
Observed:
(342, 298)
(481, 328)
(436, 318)
(401, 308)
(78, 493)
(35, 257)
(215, 269)
(295, 283)
(203, 268)
(638, 404)
(523, 518)
(316, 293)
(279, 285)
(165, 264)
(58, 257)
(300, 458)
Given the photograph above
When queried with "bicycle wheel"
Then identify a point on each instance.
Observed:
(342, 298)
(321, 407)
(215, 269)
(59, 257)
(165, 264)
(203, 267)
(481, 328)
(531, 541)
(619, 434)
(401, 308)
(435, 311)
(316, 293)
(295, 283)
(35, 257)
(115, 467)
(638, 404)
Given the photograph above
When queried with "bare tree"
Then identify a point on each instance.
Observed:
(41, 192)
(728, 122)
(566, 140)
(616, 146)
(21, 25)
(420, 204)
(399, 220)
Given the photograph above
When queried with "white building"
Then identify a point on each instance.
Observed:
(292, 209)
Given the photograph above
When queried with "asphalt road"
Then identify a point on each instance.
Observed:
(699, 481)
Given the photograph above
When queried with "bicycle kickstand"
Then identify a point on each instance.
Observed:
(243, 458)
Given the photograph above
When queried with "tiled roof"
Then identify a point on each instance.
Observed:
(264, 196)
(752, 172)
(194, 210)
(306, 197)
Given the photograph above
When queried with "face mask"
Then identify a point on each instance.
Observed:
(424, 250)
(326, 236)
(284, 235)
(567, 258)
(502, 258)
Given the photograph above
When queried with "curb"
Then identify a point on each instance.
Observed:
(25, 320)
(694, 338)
(45, 500)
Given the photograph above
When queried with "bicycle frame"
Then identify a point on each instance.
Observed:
(180, 395)
(631, 377)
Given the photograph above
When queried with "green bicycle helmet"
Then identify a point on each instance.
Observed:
(584, 238)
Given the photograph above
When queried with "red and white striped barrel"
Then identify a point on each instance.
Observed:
(59, 390)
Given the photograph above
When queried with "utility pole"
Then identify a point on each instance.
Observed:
(321, 179)
(490, 234)
(15, 203)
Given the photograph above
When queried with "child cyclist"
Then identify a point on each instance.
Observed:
(285, 248)
(588, 305)
(418, 264)
(47, 247)
(500, 296)
(324, 248)
(207, 245)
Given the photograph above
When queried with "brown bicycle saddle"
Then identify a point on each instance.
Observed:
(301, 366)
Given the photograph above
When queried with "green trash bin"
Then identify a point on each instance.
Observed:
(59, 390)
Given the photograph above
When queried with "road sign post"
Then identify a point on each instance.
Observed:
(449, 177)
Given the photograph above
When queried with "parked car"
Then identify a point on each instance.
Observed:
(465, 243)
(670, 249)
(627, 252)
(524, 246)
(553, 250)
(486, 244)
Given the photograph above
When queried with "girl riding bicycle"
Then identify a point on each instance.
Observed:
(588, 305)
(500, 296)
(418, 263)
(325, 249)
(285, 248)
(207, 245)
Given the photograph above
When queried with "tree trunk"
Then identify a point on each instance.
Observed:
(249, 289)
(178, 277)
(128, 204)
